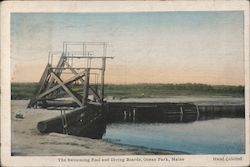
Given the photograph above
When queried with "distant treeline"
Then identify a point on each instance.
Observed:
(174, 89)
(23, 90)
(27, 90)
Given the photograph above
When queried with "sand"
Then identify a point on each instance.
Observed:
(27, 140)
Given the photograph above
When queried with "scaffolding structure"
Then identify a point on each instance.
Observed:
(76, 73)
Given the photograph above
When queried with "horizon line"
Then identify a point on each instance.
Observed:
(243, 85)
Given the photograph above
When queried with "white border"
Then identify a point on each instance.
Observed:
(111, 6)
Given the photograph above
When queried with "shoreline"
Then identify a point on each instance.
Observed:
(26, 140)
(85, 146)
(153, 151)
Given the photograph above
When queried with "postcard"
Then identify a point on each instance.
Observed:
(125, 83)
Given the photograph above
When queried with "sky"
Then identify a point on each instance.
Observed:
(148, 47)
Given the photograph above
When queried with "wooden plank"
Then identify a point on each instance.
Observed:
(67, 89)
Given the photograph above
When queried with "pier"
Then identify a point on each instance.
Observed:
(170, 112)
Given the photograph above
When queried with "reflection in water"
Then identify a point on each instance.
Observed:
(217, 136)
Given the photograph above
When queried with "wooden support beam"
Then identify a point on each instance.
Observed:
(58, 71)
(73, 71)
(72, 79)
(66, 88)
(43, 79)
(82, 81)
(77, 68)
(41, 84)
(90, 57)
(86, 87)
(103, 72)
(94, 93)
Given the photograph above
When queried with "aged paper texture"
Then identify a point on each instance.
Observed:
(125, 83)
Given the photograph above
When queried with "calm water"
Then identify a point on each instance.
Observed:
(218, 136)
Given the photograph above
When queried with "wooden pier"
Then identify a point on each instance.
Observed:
(169, 112)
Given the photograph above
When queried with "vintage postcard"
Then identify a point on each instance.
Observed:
(125, 83)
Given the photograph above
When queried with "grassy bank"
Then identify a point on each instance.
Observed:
(23, 90)
(27, 90)
(173, 90)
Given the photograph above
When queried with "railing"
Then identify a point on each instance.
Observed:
(80, 52)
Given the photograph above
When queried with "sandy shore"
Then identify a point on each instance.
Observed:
(26, 139)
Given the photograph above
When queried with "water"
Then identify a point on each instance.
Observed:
(217, 136)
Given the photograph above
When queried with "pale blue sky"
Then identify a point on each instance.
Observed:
(151, 47)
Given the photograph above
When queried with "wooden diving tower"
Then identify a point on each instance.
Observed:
(71, 79)
(74, 76)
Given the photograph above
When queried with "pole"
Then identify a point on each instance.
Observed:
(86, 87)
(103, 71)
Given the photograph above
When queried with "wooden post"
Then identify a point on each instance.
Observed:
(86, 87)
(103, 72)
(198, 112)
(181, 114)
